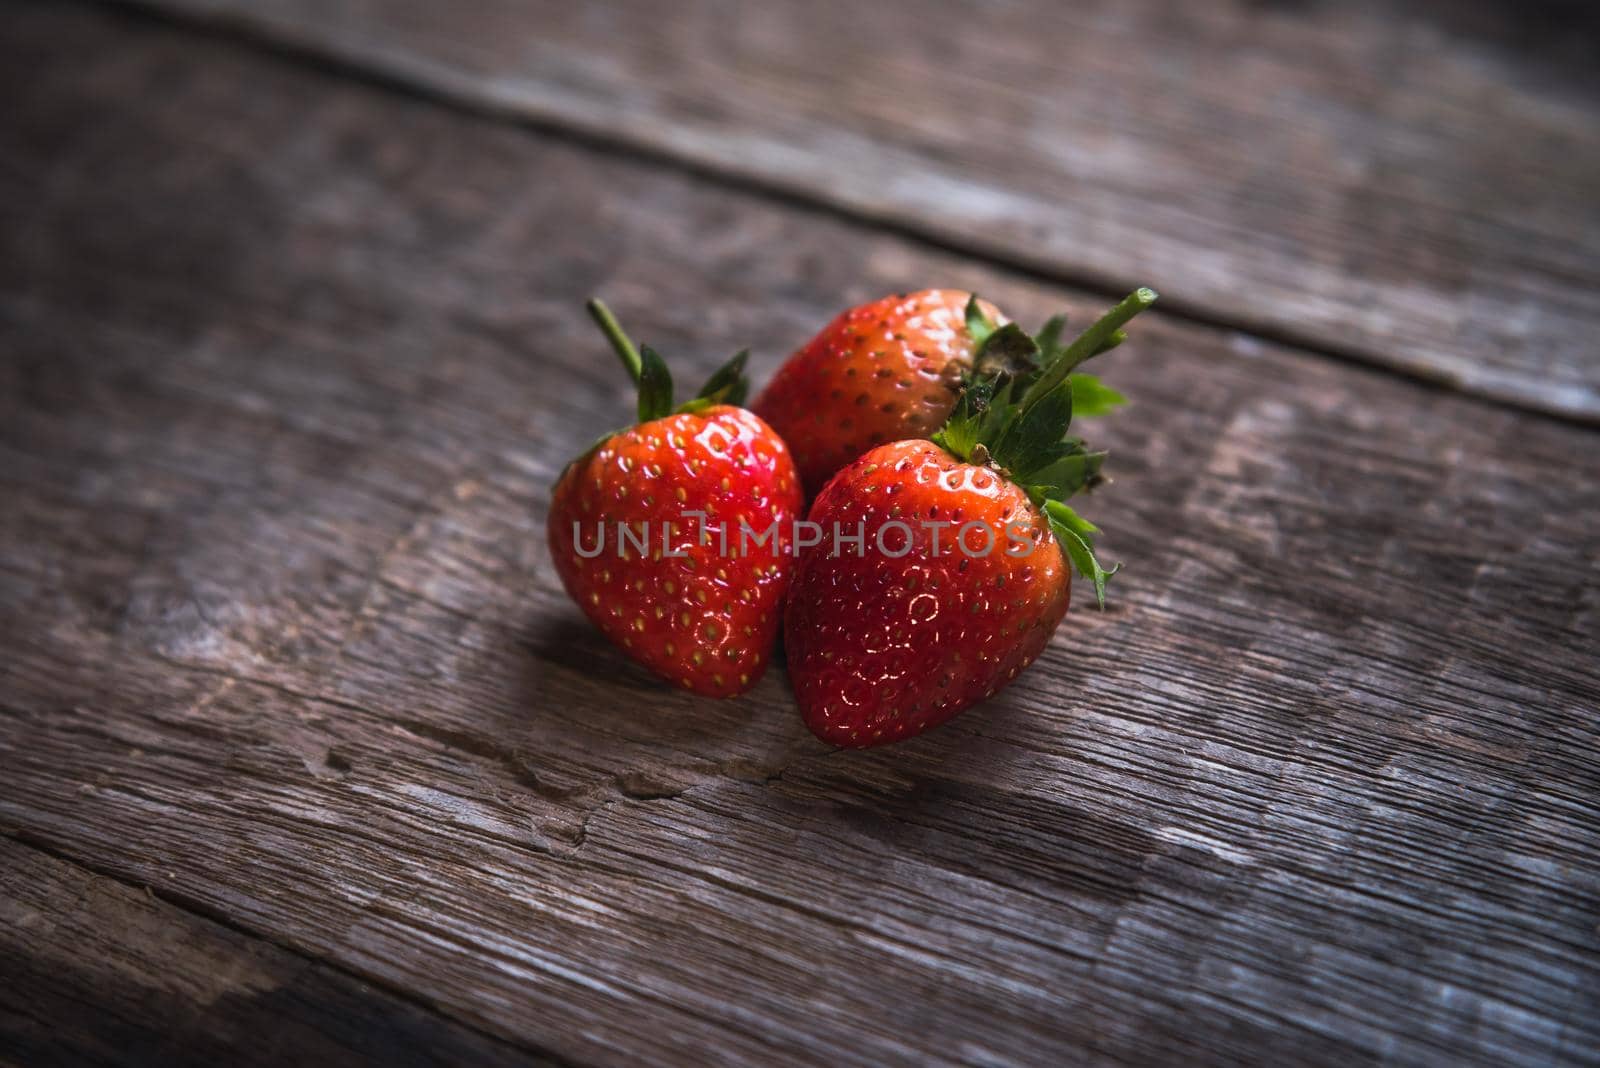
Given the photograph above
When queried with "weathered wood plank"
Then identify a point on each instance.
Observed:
(95, 972)
(289, 367)
(1409, 184)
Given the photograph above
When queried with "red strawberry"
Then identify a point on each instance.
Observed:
(880, 372)
(961, 577)
(690, 606)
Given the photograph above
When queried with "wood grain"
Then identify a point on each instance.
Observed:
(289, 366)
(172, 988)
(1408, 184)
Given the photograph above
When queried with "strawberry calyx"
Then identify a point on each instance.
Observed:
(727, 385)
(1017, 406)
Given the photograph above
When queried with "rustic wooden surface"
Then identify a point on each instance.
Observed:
(173, 988)
(291, 361)
(1410, 184)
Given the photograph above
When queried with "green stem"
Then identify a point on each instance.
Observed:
(1101, 336)
(621, 344)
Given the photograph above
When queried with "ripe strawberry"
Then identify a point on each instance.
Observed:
(919, 622)
(670, 586)
(882, 371)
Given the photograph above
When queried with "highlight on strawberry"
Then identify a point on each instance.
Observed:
(956, 563)
(638, 523)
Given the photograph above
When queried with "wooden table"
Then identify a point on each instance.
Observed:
(305, 757)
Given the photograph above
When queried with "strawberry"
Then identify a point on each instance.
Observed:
(645, 528)
(960, 574)
(882, 371)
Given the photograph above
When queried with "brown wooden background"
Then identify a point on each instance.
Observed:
(304, 756)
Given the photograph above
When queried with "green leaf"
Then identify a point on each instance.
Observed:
(655, 385)
(1049, 339)
(995, 419)
(962, 429)
(1091, 397)
(1007, 351)
(1064, 514)
(1076, 535)
(728, 384)
(1027, 442)
(979, 325)
(1067, 475)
